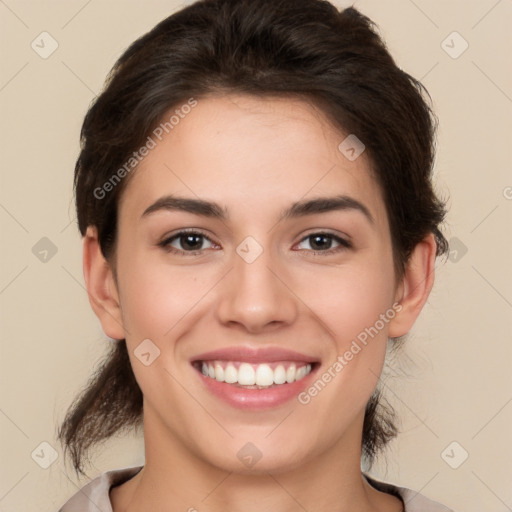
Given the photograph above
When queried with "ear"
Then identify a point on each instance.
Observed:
(415, 287)
(101, 286)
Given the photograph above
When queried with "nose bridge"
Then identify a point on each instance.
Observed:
(254, 295)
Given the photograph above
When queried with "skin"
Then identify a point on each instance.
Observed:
(255, 157)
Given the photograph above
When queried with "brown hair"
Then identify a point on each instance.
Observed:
(305, 49)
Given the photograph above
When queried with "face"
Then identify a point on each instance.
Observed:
(252, 250)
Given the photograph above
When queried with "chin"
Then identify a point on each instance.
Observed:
(247, 457)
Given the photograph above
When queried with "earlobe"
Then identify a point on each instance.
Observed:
(417, 282)
(101, 286)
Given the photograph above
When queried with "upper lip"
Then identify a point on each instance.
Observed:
(254, 355)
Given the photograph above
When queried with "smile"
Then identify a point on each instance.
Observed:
(255, 376)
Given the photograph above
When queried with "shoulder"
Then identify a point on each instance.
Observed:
(94, 496)
(413, 500)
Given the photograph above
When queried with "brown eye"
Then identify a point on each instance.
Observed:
(185, 242)
(323, 243)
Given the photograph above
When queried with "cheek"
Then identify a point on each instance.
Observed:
(156, 297)
(356, 306)
(352, 300)
(158, 304)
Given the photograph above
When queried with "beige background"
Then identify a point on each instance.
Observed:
(454, 381)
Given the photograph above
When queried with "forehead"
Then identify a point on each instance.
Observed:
(252, 155)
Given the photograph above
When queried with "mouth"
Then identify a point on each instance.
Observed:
(255, 379)
(254, 376)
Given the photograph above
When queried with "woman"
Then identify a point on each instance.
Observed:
(254, 192)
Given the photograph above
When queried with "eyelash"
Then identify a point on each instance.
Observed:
(165, 244)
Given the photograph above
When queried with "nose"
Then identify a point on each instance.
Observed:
(256, 296)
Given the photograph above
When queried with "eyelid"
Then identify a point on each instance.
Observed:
(343, 243)
(168, 238)
(181, 231)
(325, 231)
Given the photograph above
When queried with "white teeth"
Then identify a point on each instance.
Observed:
(264, 375)
(219, 373)
(290, 374)
(246, 375)
(279, 375)
(301, 372)
(230, 374)
(250, 375)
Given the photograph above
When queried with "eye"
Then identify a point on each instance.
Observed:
(187, 242)
(321, 243)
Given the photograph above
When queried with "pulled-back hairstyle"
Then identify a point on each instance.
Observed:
(302, 49)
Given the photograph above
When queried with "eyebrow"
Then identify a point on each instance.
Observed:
(298, 209)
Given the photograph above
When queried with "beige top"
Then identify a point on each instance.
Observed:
(94, 496)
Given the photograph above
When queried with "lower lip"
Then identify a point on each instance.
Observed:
(256, 399)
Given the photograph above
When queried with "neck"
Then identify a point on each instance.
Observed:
(178, 478)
